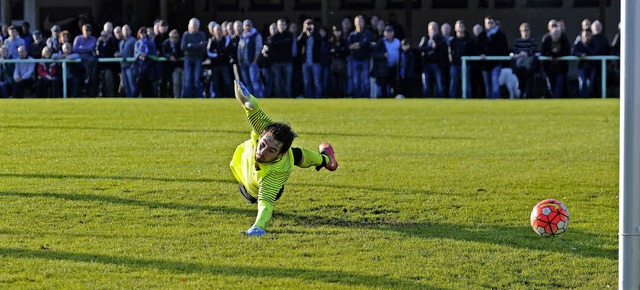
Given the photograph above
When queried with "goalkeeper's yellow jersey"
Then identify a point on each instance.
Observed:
(263, 180)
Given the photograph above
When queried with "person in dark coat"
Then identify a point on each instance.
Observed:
(492, 42)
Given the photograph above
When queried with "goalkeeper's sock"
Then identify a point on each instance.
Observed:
(312, 158)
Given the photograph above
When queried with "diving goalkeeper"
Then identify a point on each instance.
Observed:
(263, 163)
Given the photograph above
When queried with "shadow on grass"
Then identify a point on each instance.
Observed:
(576, 242)
(171, 130)
(244, 132)
(115, 177)
(326, 276)
(133, 202)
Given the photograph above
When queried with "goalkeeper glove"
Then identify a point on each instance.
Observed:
(254, 231)
(242, 95)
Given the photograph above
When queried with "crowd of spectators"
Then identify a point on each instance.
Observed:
(359, 57)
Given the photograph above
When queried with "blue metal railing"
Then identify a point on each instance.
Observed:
(602, 58)
(64, 61)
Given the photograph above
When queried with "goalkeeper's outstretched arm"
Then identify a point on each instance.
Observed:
(258, 119)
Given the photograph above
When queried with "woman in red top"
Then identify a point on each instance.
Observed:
(48, 77)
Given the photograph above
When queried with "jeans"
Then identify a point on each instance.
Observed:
(129, 82)
(266, 75)
(192, 87)
(491, 84)
(312, 79)
(586, 81)
(221, 84)
(432, 70)
(176, 77)
(455, 75)
(250, 74)
(360, 78)
(557, 81)
(5, 86)
(282, 72)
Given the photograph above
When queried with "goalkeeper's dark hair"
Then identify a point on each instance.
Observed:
(283, 133)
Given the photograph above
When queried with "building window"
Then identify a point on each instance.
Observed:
(505, 3)
(357, 4)
(399, 4)
(17, 9)
(589, 3)
(543, 3)
(449, 4)
(227, 5)
(262, 5)
(308, 5)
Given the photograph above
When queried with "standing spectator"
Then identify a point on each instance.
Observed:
(586, 69)
(26, 33)
(13, 42)
(615, 43)
(106, 47)
(524, 62)
(5, 31)
(36, 46)
(117, 34)
(280, 52)
(249, 49)
(492, 42)
(325, 59)
(6, 72)
(75, 71)
(265, 63)
(310, 49)
(22, 74)
(386, 60)
(193, 45)
(338, 51)
(64, 37)
(144, 50)
(359, 42)
(48, 82)
(127, 49)
(477, 82)
(445, 66)
(161, 32)
(556, 44)
(600, 46)
(234, 40)
(408, 76)
(398, 30)
(378, 31)
(85, 46)
(296, 79)
(461, 45)
(584, 25)
(346, 25)
(218, 53)
(433, 49)
(53, 42)
(174, 69)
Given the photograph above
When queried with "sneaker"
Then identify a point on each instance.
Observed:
(242, 95)
(327, 149)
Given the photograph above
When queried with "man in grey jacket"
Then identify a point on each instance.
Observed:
(194, 44)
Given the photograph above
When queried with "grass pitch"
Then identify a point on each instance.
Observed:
(432, 194)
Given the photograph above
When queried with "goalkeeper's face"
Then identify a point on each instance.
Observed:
(268, 149)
